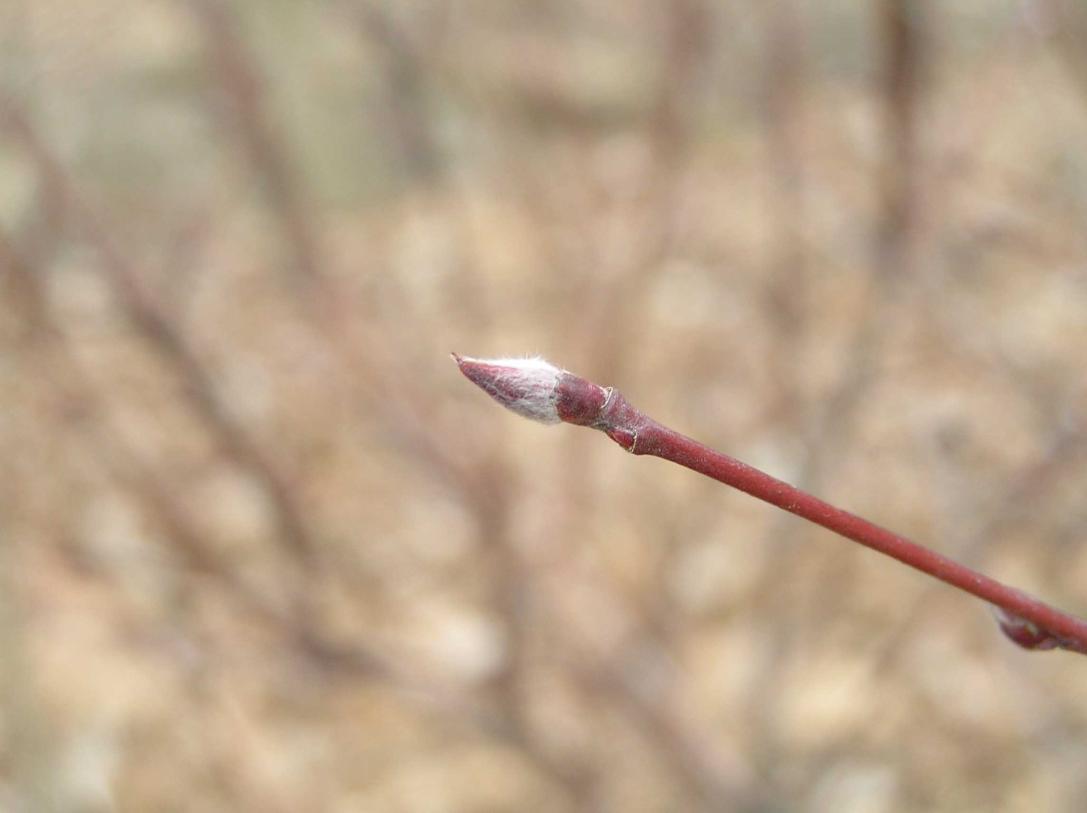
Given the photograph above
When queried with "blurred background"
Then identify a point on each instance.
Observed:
(262, 547)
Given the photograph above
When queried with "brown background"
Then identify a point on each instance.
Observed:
(262, 548)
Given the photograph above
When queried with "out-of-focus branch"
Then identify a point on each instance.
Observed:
(361, 348)
(404, 91)
(169, 343)
(245, 93)
(1065, 24)
(477, 482)
(67, 374)
(370, 366)
(710, 774)
(782, 97)
(124, 461)
(616, 294)
(902, 41)
(352, 659)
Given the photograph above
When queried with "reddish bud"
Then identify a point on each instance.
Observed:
(526, 386)
(1025, 633)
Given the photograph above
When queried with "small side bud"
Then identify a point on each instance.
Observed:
(1025, 633)
(528, 386)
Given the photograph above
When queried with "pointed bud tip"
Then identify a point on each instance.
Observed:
(525, 386)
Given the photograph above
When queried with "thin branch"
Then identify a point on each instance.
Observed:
(782, 100)
(245, 91)
(538, 390)
(351, 660)
(404, 92)
(397, 408)
(146, 315)
(1065, 451)
(902, 34)
(714, 775)
(63, 370)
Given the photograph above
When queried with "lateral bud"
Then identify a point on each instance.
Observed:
(1025, 633)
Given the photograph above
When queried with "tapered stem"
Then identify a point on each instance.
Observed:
(1065, 630)
(1028, 621)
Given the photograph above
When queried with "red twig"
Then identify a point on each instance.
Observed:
(538, 390)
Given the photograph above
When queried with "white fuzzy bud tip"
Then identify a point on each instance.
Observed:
(526, 386)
